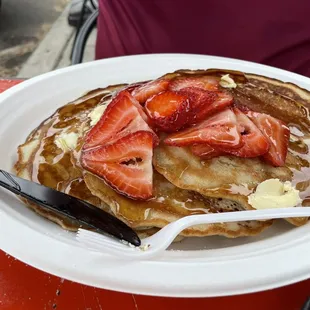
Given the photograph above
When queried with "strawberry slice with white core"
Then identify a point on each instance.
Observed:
(254, 142)
(206, 151)
(219, 130)
(278, 135)
(205, 82)
(126, 165)
(120, 118)
(149, 89)
(168, 110)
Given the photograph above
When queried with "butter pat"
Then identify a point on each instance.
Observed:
(272, 194)
(96, 114)
(227, 82)
(67, 141)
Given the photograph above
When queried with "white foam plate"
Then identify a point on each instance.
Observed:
(212, 266)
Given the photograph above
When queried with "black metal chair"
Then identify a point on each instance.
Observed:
(87, 20)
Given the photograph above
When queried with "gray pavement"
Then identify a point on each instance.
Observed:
(23, 24)
(89, 52)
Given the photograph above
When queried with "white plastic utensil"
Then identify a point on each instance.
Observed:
(157, 243)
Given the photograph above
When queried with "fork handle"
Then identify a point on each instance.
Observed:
(239, 216)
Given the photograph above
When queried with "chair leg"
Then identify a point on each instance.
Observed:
(81, 38)
(306, 306)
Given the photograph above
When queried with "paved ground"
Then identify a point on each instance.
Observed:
(89, 52)
(23, 23)
(52, 54)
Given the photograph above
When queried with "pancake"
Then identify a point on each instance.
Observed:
(183, 184)
(41, 160)
(169, 204)
(235, 178)
(221, 177)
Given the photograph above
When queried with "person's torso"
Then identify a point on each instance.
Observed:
(272, 32)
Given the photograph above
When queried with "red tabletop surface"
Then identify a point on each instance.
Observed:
(24, 287)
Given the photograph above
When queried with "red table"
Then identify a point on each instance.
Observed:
(25, 288)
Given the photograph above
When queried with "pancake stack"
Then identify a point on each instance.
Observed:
(183, 184)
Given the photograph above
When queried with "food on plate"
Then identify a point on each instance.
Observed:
(189, 142)
(272, 193)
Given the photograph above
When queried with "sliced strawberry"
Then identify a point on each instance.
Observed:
(278, 135)
(141, 111)
(168, 110)
(204, 102)
(149, 89)
(126, 165)
(223, 100)
(206, 151)
(254, 142)
(133, 86)
(241, 107)
(219, 130)
(119, 119)
(200, 100)
(205, 82)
